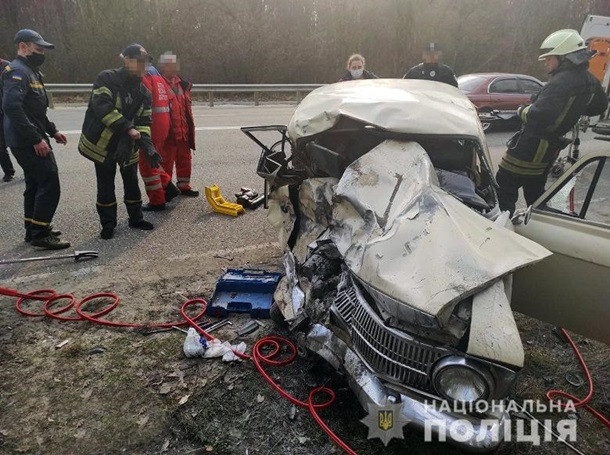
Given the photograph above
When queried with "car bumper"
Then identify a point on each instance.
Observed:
(478, 435)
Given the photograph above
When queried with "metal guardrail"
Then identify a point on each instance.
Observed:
(210, 89)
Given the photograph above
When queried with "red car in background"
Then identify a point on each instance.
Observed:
(498, 95)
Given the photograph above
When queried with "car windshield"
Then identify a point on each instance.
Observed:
(469, 83)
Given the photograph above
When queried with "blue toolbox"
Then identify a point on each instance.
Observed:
(244, 291)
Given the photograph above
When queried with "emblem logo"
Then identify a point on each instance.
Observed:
(386, 422)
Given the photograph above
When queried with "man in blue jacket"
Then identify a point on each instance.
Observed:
(5, 160)
(27, 131)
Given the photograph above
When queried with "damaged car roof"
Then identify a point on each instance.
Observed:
(395, 105)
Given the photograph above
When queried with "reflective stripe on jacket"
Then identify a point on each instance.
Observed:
(162, 97)
(571, 92)
(116, 105)
(183, 125)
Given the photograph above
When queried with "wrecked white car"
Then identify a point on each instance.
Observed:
(398, 260)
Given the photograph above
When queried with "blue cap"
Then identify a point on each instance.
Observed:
(30, 36)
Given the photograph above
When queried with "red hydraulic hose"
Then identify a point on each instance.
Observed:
(50, 298)
(576, 401)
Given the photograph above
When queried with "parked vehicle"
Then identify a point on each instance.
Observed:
(498, 95)
(398, 261)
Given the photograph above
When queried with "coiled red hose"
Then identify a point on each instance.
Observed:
(50, 298)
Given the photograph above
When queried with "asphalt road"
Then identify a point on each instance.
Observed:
(225, 156)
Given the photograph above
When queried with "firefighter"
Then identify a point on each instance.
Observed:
(5, 160)
(355, 69)
(572, 91)
(27, 130)
(157, 182)
(432, 69)
(117, 124)
(181, 138)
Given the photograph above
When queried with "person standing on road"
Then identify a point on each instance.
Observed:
(181, 139)
(572, 91)
(27, 130)
(5, 160)
(355, 69)
(432, 69)
(158, 183)
(116, 126)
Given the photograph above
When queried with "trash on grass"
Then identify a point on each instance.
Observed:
(192, 344)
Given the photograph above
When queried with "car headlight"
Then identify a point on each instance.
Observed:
(459, 379)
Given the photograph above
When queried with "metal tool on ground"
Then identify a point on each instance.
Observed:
(248, 328)
(249, 198)
(168, 329)
(219, 204)
(217, 325)
(77, 256)
(244, 291)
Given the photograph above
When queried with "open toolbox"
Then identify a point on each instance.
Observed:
(244, 291)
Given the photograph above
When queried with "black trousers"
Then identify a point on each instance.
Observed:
(508, 192)
(106, 198)
(42, 190)
(5, 160)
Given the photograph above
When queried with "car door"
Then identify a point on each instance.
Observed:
(571, 288)
(504, 93)
(528, 87)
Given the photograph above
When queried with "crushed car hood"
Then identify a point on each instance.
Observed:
(401, 234)
(396, 105)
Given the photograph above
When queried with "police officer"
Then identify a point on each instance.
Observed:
(572, 91)
(5, 160)
(27, 130)
(117, 123)
(431, 69)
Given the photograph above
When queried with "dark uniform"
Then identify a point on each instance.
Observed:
(24, 104)
(432, 72)
(572, 91)
(118, 103)
(5, 160)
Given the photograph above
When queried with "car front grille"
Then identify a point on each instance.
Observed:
(394, 355)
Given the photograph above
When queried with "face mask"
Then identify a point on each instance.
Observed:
(35, 59)
(356, 74)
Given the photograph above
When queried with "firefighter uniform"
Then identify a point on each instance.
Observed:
(24, 105)
(156, 180)
(181, 139)
(5, 160)
(118, 103)
(572, 91)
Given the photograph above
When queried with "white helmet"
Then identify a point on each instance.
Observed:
(562, 42)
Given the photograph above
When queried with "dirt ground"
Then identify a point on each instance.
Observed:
(114, 391)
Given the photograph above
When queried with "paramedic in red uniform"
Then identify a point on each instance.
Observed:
(181, 138)
(157, 182)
